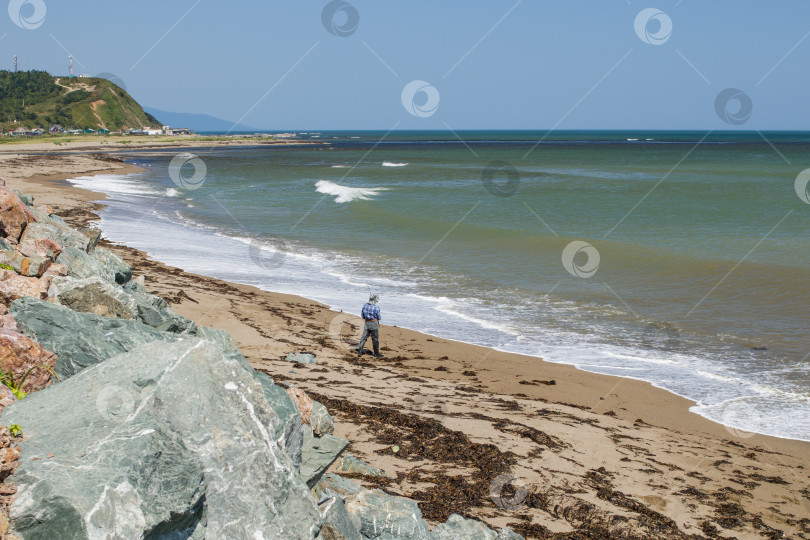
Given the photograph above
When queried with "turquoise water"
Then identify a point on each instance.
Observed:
(703, 249)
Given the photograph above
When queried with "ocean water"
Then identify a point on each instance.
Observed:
(676, 258)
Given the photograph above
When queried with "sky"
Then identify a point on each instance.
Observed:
(380, 64)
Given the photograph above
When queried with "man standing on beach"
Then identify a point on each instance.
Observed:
(371, 316)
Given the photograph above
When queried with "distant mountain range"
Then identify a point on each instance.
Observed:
(196, 122)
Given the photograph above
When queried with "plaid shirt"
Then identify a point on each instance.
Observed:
(370, 311)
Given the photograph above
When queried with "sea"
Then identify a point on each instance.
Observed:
(677, 258)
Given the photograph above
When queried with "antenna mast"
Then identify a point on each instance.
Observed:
(15, 63)
(71, 66)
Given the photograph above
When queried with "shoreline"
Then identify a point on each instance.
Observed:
(434, 374)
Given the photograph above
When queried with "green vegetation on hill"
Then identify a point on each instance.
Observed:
(32, 99)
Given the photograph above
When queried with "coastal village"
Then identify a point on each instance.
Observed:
(56, 129)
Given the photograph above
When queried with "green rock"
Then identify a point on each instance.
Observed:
(318, 454)
(170, 440)
(59, 233)
(92, 295)
(338, 524)
(79, 339)
(26, 198)
(155, 311)
(290, 431)
(93, 236)
(4, 244)
(458, 527)
(113, 264)
(81, 265)
(350, 464)
(320, 420)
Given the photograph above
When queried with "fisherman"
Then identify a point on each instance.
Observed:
(371, 316)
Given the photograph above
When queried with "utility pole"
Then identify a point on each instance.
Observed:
(71, 66)
(15, 63)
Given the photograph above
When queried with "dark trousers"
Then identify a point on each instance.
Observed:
(371, 328)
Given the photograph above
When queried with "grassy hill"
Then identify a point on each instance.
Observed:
(34, 99)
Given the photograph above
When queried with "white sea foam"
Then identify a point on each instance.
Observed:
(341, 166)
(344, 194)
(127, 184)
(171, 192)
(393, 164)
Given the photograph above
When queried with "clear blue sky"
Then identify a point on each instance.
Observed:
(539, 68)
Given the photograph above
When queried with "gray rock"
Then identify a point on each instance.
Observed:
(336, 483)
(155, 311)
(290, 431)
(59, 233)
(385, 517)
(457, 527)
(4, 244)
(26, 198)
(81, 265)
(318, 453)
(92, 295)
(169, 441)
(352, 465)
(113, 264)
(320, 420)
(93, 236)
(33, 266)
(80, 339)
(338, 524)
(302, 358)
(220, 337)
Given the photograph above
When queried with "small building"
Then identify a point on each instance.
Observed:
(56, 128)
(103, 131)
(36, 132)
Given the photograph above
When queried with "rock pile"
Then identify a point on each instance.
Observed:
(156, 427)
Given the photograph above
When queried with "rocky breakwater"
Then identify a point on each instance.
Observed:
(140, 424)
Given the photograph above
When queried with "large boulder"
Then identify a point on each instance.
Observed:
(14, 215)
(155, 311)
(21, 355)
(33, 266)
(289, 432)
(80, 339)
(61, 234)
(457, 527)
(92, 295)
(382, 516)
(172, 441)
(338, 524)
(82, 265)
(113, 264)
(42, 247)
(14, 286)
(93, 236)
(350, 464)
(318, 454)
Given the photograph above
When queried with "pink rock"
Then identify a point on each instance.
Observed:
(44, 247)
(14, 215)
(19, 353)
(56, 269)
(13, 286)
(302, 401)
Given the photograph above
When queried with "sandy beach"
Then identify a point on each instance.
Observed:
(508, 439)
